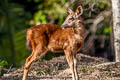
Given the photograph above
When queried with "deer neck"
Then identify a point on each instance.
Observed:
(79, 27)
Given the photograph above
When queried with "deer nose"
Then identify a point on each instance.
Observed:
(63, 26)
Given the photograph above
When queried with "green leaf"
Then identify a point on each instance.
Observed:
(107, 30)
(3, 63)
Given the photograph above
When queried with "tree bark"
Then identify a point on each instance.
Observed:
(116, 27)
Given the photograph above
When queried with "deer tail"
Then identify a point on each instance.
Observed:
(28, 38)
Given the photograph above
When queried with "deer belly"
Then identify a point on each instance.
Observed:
(55, 48)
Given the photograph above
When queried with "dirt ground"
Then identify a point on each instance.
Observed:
(89, 68)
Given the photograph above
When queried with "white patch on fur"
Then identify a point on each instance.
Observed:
(77, 36)
(49, 47)
(53, 40)
(65, 44)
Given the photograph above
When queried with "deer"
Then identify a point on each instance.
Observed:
(50, 37)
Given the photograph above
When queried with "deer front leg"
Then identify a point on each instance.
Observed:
(70, 60)
(75, 67)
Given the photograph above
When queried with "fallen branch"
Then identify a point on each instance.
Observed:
(107, 64)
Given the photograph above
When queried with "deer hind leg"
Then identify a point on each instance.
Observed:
(38, 52)
(26, 67)
(70, 60)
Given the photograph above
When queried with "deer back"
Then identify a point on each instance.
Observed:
(40, 34)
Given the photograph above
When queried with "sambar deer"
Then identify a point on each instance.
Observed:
(48, 37)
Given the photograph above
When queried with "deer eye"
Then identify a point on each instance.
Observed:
(71, 18)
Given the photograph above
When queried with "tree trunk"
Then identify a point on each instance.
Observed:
(116, 27)
(11, 39)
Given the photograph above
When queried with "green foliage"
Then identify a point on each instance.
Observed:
(3, 63)
(48, 11)
(39, 16)
(12, 26)
(41, 72)
(101, 5)
(107, 30)
(20, 47)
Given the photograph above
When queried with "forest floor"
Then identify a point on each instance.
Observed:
(89, 68)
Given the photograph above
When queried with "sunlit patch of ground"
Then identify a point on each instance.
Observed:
(89, 68)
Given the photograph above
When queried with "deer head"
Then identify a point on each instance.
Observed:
(72, 17)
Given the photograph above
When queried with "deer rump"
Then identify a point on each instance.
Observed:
(39, 33)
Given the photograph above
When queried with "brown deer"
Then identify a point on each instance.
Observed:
(48, 37)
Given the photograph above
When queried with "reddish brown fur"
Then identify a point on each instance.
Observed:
(49, 37)
(52, 37)
(40, 34)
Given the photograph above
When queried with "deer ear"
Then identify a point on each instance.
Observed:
(79, 11)
(70, 11)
